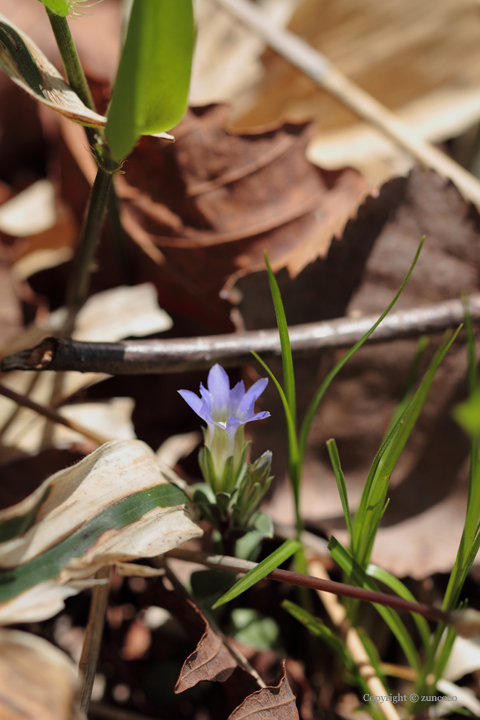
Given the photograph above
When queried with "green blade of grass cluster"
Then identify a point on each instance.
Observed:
(291, 432)
(270, 563)
(470, 541)
(287, 360)
(331, 375)
(341, 484)
(399, 589)
(49, 564)
(341, 555)
(372, 506)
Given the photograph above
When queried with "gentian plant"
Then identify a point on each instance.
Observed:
(233, 487)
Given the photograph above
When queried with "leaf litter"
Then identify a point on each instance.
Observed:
(362, 288)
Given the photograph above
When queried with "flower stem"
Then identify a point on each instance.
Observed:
(79, 282)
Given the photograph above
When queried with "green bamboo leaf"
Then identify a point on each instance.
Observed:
(151, 90)
(287, 360)
(341, 484)
(31, 70)
(279, 556)
(49, 564)
(341, 555)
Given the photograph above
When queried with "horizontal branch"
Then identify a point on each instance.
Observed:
(143, 357)
(222, 562)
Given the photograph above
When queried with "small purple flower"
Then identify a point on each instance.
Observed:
(225, 411)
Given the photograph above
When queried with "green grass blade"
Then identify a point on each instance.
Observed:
(319, 629)
(399, 588)
(372, 504)
(341, 555)
(326, 383)
(341, 484)
(287, 360)
(293, 461)
(279, 556)
(151, 90)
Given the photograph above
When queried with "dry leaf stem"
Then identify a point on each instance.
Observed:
(353, 643)
(142, 357)
(50, 414)
(325, 74)
(223, 562)
(93, 638)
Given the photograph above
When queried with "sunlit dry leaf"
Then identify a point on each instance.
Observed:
(108, 316)
(209, 661)
(37, 681)
(270, 703)
(113, 506)
(28, 67)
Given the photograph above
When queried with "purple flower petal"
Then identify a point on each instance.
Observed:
(246, 408)
(219, 386)
(193, 400)
(236, 396)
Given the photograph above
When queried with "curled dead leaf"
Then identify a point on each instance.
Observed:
(209, 661)
(28, 67)
(269, 703)
(113, 506)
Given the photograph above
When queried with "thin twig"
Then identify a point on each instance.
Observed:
(325, 74)
(353, 642)
(93, 638)
(51, 414)
(143, 357)
(224, 562)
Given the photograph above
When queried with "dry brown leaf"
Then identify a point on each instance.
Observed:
(209, 661)
(207, 207)
(270, 703)
(37, 681)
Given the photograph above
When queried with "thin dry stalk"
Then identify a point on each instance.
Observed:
(51, 414)
(93, 638)
(359, 655)
(325, 74)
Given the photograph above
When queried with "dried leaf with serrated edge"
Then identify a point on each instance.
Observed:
(28, 67)
(37, 680)
(270, 703)
(214, 201)
(209, 661)
(113, 506)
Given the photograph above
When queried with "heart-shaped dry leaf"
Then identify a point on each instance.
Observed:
(113, 506)
(28, 67)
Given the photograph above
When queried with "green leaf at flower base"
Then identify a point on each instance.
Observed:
(252, 628)
(59, 7)
(151, 89)
(260, 571)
